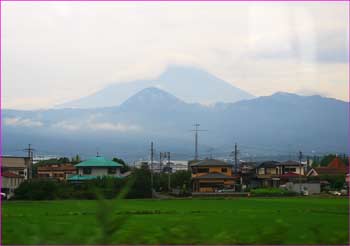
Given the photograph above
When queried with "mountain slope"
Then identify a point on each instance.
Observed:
(187, 83)
(280, 122)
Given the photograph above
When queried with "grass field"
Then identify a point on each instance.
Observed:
(197, 221)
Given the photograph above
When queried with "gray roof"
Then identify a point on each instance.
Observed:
(269, 164)
(214, 176)
(290, 163)
(211, 162)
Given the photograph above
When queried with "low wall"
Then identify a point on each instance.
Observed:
(221, 194)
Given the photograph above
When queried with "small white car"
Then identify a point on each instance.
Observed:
(3, 195)
(336, 193)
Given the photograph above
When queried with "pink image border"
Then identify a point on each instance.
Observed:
(1, 72)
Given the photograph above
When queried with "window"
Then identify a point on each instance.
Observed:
(203, 170)
(112, 170)
(86, 170)
(224, 170)
(290, 169)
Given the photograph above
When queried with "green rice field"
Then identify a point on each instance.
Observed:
(189, 221)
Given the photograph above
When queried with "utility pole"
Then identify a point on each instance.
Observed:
(196, 130)
(235, 154)
(152, 153)
(300, 157)
(169, 186)
(160, 162)
(30, 152)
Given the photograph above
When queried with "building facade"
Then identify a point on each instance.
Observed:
(9, 182)
(56, 171)
(14, 170)
(335, 168)
(212, 175)
(274, 173)
(96, 167)
(21, 166)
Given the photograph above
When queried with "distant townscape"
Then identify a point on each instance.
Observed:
(208, 177)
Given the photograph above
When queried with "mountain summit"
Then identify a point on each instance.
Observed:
(151, 98)
(190, 84)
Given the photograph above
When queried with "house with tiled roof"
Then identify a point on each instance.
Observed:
(14, 170)
(335, 168)
(9, 182)
(17, 164)
(56, 171)
(94, 168)
(212, 175)
(274, 173)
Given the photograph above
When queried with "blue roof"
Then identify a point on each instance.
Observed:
(98, 161)
(81, 177)
(88, 177)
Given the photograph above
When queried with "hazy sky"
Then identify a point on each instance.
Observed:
(53, 52)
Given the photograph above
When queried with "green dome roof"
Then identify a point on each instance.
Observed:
(98, 161)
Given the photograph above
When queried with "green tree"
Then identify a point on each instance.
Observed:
(61, 160)
(125, 167)
(326, 160)
(141, 187)
(76, 159)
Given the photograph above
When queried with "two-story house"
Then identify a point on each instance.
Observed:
(56, 171)
(211, 175)
(94, 168)
(274, 173)
(14, 170)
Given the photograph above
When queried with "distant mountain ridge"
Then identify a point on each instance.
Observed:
(192, 85)
(280, 121)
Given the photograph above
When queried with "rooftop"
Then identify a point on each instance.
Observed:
(81, 177)
(98, 161)
(210, 163)
(337, 163)
(10, 175)
(290, 163)
(57, 167)
(269, 164)
(214, 176)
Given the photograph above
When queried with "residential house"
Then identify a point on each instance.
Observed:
(94, 168)
(335, 168)
(9, 182)
(156, 167)
(274, 173)
(247, 172)
(14, 170)
(56, 171)
(21, 166)
(211, 175)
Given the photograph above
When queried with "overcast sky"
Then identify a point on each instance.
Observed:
(53, 52)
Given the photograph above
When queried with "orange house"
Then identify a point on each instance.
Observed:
(211, 175)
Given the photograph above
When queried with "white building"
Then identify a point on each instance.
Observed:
(175, 165)
(96, 167)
